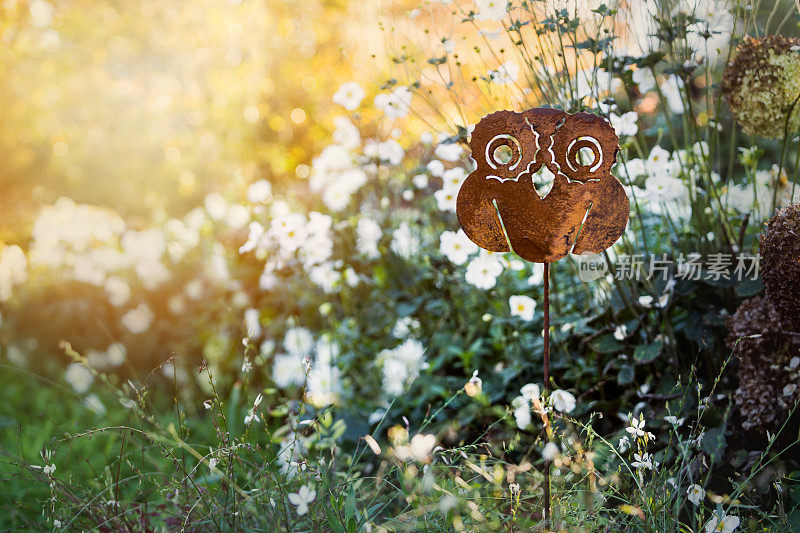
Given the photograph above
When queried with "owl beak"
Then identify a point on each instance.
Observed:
(542, 181)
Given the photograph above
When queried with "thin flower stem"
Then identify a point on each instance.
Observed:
(546, 311)
(783, 154)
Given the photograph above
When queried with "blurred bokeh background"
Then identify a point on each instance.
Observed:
(146, 107)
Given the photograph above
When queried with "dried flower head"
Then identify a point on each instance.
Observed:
(761, 83)
(780, 253)
(756, 334)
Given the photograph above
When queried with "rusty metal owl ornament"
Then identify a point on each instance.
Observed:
(507, 201)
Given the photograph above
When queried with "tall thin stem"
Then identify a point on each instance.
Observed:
(546, 311)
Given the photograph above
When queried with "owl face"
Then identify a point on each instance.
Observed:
(543, 184)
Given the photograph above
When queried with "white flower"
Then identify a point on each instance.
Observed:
(522, 412)
(456, 246)
(325, 277)
(642, 461)
(636, 428)
(402, 364)
(648, 301)
(491, 9)
(620, 332)
(115, 354)
(449, 151)
(13, 270)
(238, 216)
(563, 401)
(474, 386)
(446, 199)
(421, 446)
(287, 369)
(117, 290)
(710, 33)
(537, 274)
(216, 206)
(47, 469)
(624, 444)
(453, 178)
(138, 320)
(643, 77)
(79, 377)
(672, 89)
(508, 72)
(724, 524)
(395, 374)
(404, 242)
(302, 498)
(674, 420)
(530, 391)
(346, 133)
(395, 104)
(259, 192)
(624, 124)
(368, 233)
(482, 271)
(247, 365)
(405, 326)
(550, 451)
(695, 494)
(212, 463)
(522, 306)
(349, 95)
(323, 385)
(252, 323)
(420, 181)
(254, 239)
(298, 341)
(436, 168)
(250, 417)
(389, 151)
(94, 404)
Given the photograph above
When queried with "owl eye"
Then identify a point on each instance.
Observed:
(584, 154)
(584, 147)
(503, 152)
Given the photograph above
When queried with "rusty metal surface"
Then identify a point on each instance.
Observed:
(585, 211)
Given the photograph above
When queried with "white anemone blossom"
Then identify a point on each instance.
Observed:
(482, 271)
(349, 95)
(491, 10)
(395, 104)
(695, 494)
(456, 246)
(522, 306)
(401, 365)
(725, 523)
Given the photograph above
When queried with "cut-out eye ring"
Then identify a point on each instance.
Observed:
(579, 145)
(494, 150)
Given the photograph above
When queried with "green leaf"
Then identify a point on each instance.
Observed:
(714, 442)
(647, 353)
(749, 287)
(606, 344)
(334, 522)
(625, 374)
(350, 506)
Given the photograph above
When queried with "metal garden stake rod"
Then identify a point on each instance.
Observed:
(542, 189)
